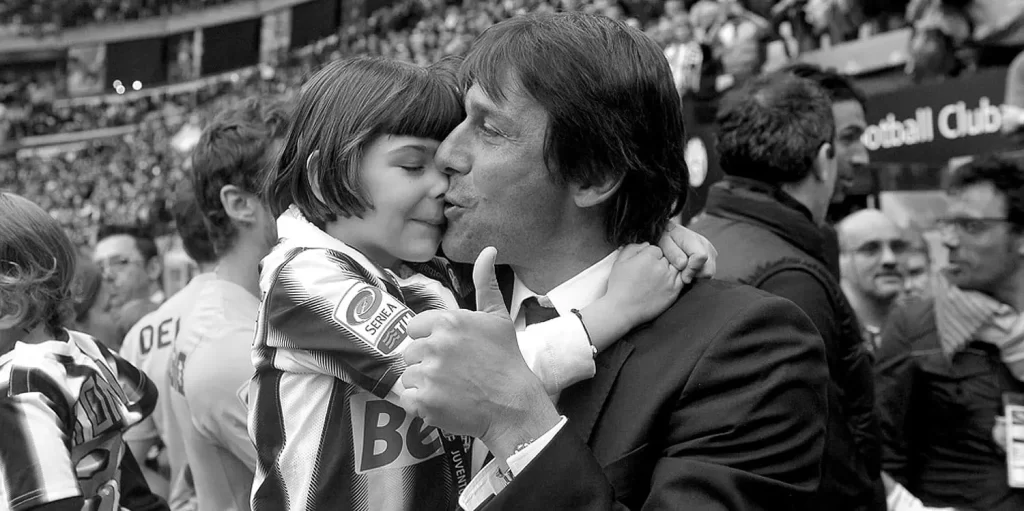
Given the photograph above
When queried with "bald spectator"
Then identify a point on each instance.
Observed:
(871, 246)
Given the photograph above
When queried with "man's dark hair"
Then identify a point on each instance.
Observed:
(236, 148)
(839, 86)
(772, 128)
(612, 105)
(1005, 173)
(144, 241)
(191, 226)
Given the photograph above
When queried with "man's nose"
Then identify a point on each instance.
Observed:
(949, 238)
(452, 157)
(859, 157)
(888, 257)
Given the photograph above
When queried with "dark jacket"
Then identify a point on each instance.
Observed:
(937, 414)
(717, 404)
(766, 239)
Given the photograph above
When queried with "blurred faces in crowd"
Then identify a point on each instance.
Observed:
(130, 265)
(984, 247)
(917, 266)
(851, 155)
(871, 247)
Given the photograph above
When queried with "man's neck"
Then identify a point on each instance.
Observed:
(241, 266)
(800, 193)
(870, 311)
(562, 261)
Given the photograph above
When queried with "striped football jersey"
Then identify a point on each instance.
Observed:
(64, 405)
(323, 415)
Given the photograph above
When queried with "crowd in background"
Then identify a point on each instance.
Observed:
(43, 16)
(712, 45)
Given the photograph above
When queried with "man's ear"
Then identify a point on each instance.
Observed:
(240, 205)
(825, 166)
(313, 172)
(587, 195)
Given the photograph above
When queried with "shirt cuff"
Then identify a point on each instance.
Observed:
(496, 475)
(558, 352)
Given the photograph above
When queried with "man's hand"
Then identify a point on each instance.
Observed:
(467, 376)
(689, 252)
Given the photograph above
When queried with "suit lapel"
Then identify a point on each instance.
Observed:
(582, 403)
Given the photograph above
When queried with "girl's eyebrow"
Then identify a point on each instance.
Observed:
(415, 147)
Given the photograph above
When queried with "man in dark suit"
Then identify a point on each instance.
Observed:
(572, 148)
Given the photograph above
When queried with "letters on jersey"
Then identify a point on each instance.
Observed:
(377, 318)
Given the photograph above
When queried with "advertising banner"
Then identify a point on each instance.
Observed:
(933, 123)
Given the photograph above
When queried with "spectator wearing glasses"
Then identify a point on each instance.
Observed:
(871, 246)
(945, 362)
(131, 270)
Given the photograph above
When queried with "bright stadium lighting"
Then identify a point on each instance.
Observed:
(117, 83)
(136, 85)
(119, 89)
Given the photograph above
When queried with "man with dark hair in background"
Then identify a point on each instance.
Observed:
(149, 345)
(943, 364)
(775, 144)
(131, 266)
(573, 145)
(210, 367)
(848, 110)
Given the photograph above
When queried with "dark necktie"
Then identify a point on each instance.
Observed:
(535, 313)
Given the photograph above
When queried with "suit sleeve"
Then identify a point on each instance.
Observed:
(746, 432)
(894, 380)
(850, 365)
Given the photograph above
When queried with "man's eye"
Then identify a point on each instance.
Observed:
(412, 168)
(489, 131)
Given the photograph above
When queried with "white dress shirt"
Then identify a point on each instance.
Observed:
(576, 293)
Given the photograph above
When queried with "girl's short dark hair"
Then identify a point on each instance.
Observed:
(37, 266)
(341, 110)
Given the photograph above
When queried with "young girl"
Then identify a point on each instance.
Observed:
(361, 218)
(65, 399)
